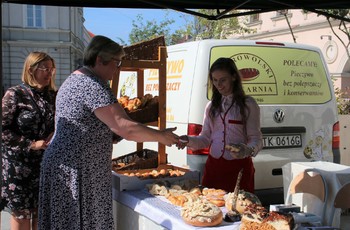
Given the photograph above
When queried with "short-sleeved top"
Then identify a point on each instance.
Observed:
(75, 184)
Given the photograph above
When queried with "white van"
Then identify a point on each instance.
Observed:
(291, 84)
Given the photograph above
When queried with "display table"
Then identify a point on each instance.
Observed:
(140, 210)
(335, 176)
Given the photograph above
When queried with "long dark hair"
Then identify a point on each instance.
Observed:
(228, 65)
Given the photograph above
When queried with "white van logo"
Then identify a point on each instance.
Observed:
(278, 116)
(249, 74)
(258, 77)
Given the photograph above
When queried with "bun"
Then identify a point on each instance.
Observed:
(213, 191)
(157, 189)
(215, 196)
(201, 213)
(196, 190)
(180, 197)
(217, 201)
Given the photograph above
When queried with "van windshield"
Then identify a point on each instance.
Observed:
(279, 75)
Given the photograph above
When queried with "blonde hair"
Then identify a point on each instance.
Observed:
(31, 63)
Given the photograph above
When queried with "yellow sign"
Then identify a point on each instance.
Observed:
(279, 75)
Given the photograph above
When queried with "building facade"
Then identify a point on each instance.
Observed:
(58, 31)
(297, 26)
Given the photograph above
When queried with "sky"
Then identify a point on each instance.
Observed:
(116, 23)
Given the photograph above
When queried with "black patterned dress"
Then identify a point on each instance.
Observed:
(24, 119)
(76, 173)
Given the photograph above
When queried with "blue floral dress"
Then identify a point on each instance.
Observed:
(27, 116)
(76, 178)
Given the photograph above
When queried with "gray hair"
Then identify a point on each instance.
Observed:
(103, 47)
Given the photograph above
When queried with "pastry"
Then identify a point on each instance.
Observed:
(256, 217)
(214, 196)
(243, 200)
(233, 148)
(157, 189)
(201, 213)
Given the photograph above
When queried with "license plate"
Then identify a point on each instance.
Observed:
(282, 141)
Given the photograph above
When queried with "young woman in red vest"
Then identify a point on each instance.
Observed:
(231, 128)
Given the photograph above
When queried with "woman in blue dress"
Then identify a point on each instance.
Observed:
(75, 185)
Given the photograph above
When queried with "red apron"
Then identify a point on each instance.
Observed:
(222, 174)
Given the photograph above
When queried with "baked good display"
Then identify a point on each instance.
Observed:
(201, 213)
(154, 173)
(256, 217)
(132, 104)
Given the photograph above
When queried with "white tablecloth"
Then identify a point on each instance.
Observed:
(335, 175)
(159, 211)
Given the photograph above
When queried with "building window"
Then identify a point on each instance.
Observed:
(34, 16)
(253, 18)
(280, 13)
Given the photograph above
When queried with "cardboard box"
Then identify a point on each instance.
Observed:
(121, 182)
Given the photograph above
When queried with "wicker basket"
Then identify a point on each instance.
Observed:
(143, 159)
(146, 50)
(149, 113)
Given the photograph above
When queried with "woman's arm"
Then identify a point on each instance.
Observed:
(254, 135)
(118, 121)
(203, 139)
(10, 137)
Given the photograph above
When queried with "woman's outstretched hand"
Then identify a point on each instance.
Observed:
(168, 137)
(182, 142)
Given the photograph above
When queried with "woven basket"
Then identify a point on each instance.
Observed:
(143, 159)
(149, 113)
(146, 50)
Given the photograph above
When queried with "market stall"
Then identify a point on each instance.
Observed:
(146, 55)
(133, 172)
(140, 210)
(149, 193)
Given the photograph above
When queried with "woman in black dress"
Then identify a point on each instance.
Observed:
(27, 127)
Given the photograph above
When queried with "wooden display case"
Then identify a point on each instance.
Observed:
(139, 65)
